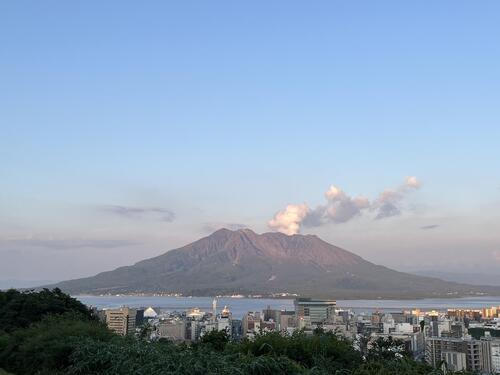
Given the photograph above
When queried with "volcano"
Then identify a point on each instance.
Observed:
(244, 262)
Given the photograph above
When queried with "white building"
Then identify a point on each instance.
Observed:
(150, 313)
(455, 361)
(495, 356)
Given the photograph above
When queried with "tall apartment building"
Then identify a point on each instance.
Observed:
(476, 354)
(314, 311)
(495, 356)
(121, 321)
(455, 361)
(491, 354)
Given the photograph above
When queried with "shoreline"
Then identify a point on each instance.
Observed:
(259, 296)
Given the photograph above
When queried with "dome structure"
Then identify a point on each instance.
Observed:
(150, 313)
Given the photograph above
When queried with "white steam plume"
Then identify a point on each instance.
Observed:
(340, 208)
(288, 220)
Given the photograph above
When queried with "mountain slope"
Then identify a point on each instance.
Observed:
(242, 261)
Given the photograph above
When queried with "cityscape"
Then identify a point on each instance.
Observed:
(459, 339)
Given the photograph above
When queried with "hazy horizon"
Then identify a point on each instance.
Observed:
(129, 130)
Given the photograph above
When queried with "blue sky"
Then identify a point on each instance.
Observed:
(223, 113)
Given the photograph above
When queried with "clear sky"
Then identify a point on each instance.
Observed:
(131, 128)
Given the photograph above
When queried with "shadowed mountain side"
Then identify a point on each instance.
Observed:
(242, 261)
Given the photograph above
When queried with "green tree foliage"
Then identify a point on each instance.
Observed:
(20, 309)
(478, 332)
(215, 340)
(387, 348)
(45, 346)
(128, 356)
(322, 350)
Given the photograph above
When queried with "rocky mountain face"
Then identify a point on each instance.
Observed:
(243, 262)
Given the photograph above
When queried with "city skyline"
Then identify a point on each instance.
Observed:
(130, 131)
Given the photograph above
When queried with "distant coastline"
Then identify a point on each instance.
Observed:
(278, 296)
(242, 305)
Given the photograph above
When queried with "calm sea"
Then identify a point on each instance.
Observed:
(240, 306)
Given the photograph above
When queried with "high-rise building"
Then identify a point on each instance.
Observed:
(271, 314)
(475, 355)
(251, 324)
(287, 320)
(495, 356)
(139, 317)
(314, 311)
(490, 362)
(224, 320)
(121, 321)
(236, 329)
(172, 329)
(455, 361)
(439, 348)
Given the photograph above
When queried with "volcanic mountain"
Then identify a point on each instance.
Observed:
(243, 262)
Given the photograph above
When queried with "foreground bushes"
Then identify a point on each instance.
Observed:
(64, 338)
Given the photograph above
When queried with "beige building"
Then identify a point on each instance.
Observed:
(172, 329)
(251, 324)
(121, 321)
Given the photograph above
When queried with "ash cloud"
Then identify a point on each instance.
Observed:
(388, 203)
(341, 207)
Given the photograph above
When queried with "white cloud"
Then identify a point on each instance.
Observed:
(341, 207)
(288, 220)
(413, 182)
(389, 201)
(334, 193)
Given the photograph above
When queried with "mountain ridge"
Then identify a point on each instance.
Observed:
(244, 262)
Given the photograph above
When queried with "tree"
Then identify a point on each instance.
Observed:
(46, 346)
(20, 309)
(387, 348)
(215, 340)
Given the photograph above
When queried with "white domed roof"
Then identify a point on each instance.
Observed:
(150, 313)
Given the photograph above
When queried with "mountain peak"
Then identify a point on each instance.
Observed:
(242, 261)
